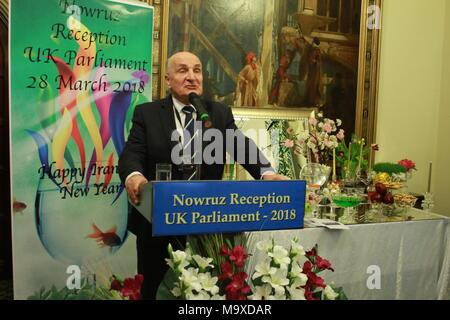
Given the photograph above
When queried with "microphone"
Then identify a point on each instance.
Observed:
(198, 104)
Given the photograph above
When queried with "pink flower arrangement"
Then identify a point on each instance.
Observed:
(322, 137)
(288, 143)
(312, 121)
(327, 127)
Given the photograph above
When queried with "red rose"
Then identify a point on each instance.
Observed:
(224, 251)
(315, 281)
(132, 287)
(323, 264)
(238, 283)
(309, 293)
(115, 285)
(238, 256)
(307, 267)
(227, 270)
(245, 289)
(408, 164)
(139, 278)
(311, 253)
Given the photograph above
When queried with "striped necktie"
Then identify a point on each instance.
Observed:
(188, 132)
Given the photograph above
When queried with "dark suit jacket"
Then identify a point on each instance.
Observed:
(150, 143)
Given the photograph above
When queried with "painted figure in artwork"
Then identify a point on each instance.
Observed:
(247, 83)
(281, 77)
(286, 90)
(314, 86)
(285, 87)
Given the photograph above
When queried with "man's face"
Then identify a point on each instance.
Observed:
(184, 76)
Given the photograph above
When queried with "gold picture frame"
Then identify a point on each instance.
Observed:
(366, 72)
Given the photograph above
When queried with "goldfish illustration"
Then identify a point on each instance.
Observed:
(105, 239)
(18, 206)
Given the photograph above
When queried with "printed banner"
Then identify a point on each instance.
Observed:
(196, 207)
(78, 70)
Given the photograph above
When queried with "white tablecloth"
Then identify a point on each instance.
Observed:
(413, 257)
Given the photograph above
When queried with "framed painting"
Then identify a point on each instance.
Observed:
(281, 59)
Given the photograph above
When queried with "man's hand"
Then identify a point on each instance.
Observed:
(273, 176)
(134, 185)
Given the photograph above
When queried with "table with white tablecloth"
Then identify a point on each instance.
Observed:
(412, 257)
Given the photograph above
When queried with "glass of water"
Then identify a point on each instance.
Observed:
(163, 172)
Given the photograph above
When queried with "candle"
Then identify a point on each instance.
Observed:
(334, 165)
(429, 177)
(360, 154)
(373, 147)
(308, 151)
(349, 153)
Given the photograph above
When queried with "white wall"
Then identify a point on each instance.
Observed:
(413, 103)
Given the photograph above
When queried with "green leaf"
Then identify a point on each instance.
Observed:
(341, 293)
(167, 284)
(83, 296)
(87, 287)
(55, 296)
(45, 295)
(65, 293)
(258, 282)
(229, 244)
(317, 295)
(106, 294)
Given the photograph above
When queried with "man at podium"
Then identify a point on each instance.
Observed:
(177, 123)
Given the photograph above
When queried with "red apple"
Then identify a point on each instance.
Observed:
(375, 197)
(381, 188)
(388, 198)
